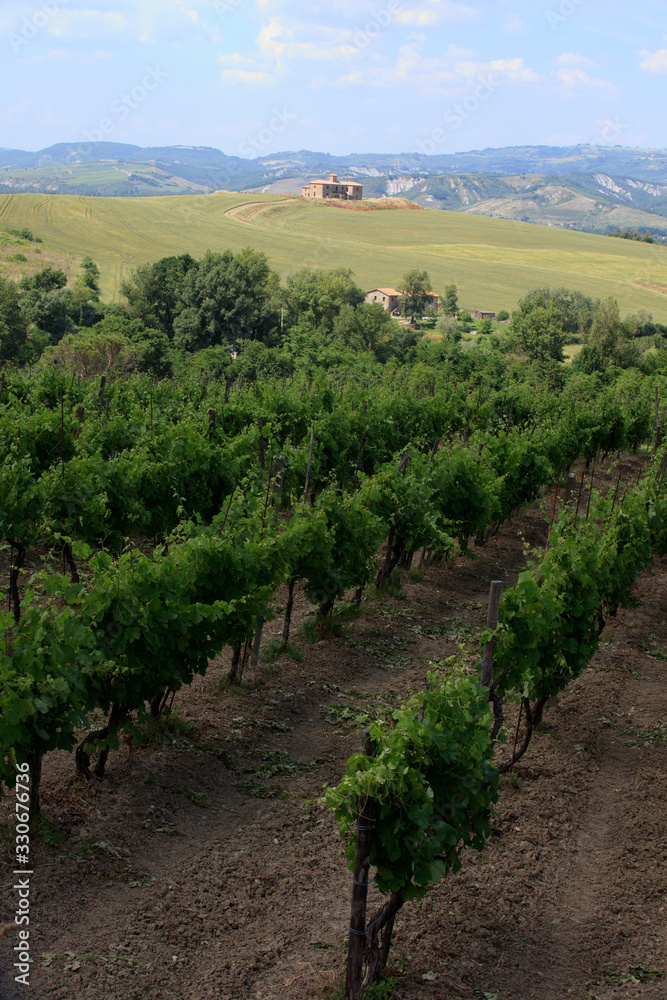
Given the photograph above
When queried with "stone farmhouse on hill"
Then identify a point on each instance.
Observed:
(388, 297)
(483, 314)
(333, 188)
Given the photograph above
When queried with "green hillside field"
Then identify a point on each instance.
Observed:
(492, 261)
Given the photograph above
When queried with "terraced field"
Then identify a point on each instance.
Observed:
(493, 261)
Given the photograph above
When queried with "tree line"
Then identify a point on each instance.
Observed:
(180, 312)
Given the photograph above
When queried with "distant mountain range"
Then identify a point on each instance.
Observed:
(591, 188)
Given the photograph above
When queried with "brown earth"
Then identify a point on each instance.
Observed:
(175, 881)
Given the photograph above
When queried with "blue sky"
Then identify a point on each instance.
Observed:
(253, 77)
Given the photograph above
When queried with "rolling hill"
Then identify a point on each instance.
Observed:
(587, 188)
(493, 261)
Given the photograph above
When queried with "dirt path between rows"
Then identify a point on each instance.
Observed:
(203, 866)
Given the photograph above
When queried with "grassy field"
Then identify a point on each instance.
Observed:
(20, 258)
(492, 261)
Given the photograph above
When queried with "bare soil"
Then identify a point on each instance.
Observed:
(178, 877)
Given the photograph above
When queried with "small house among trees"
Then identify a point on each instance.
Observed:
(389, 298)
(483, 314)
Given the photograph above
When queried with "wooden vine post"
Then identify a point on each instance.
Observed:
(491, 623)
(310, 462)
(394, 544)
(581, 486)
(486, 677)
(62, 435)
(357, 935)
(553, 516)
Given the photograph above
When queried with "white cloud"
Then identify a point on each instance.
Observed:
(509, 70)
(573, 59)
(449, 74)
(439, 10)
(147, 21)
(575, 82)
(245, 76)
(280, 42)
(654, 62)
(188, 11)
(514, 70)
(237, 68)
(349, 33)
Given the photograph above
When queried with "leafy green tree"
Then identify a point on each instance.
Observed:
(88, 353)
(45, 302)
(362, 328)
(640, 324)
(84, 307)
(400, 346)
(503, 315)
(466, 321)
(90, 274)
(227, 298)
(44, 281)
(538, 327)
(313, 299)
(152, 346)
(154, 291)
(256, 360)
(450, 303)
(448, 327)
(589, 360)
(576, 309)
(25, 234)
(13, 326)
(606, 329)
(485, 326)
(612, 337)
(152, 352)
(416, 292)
